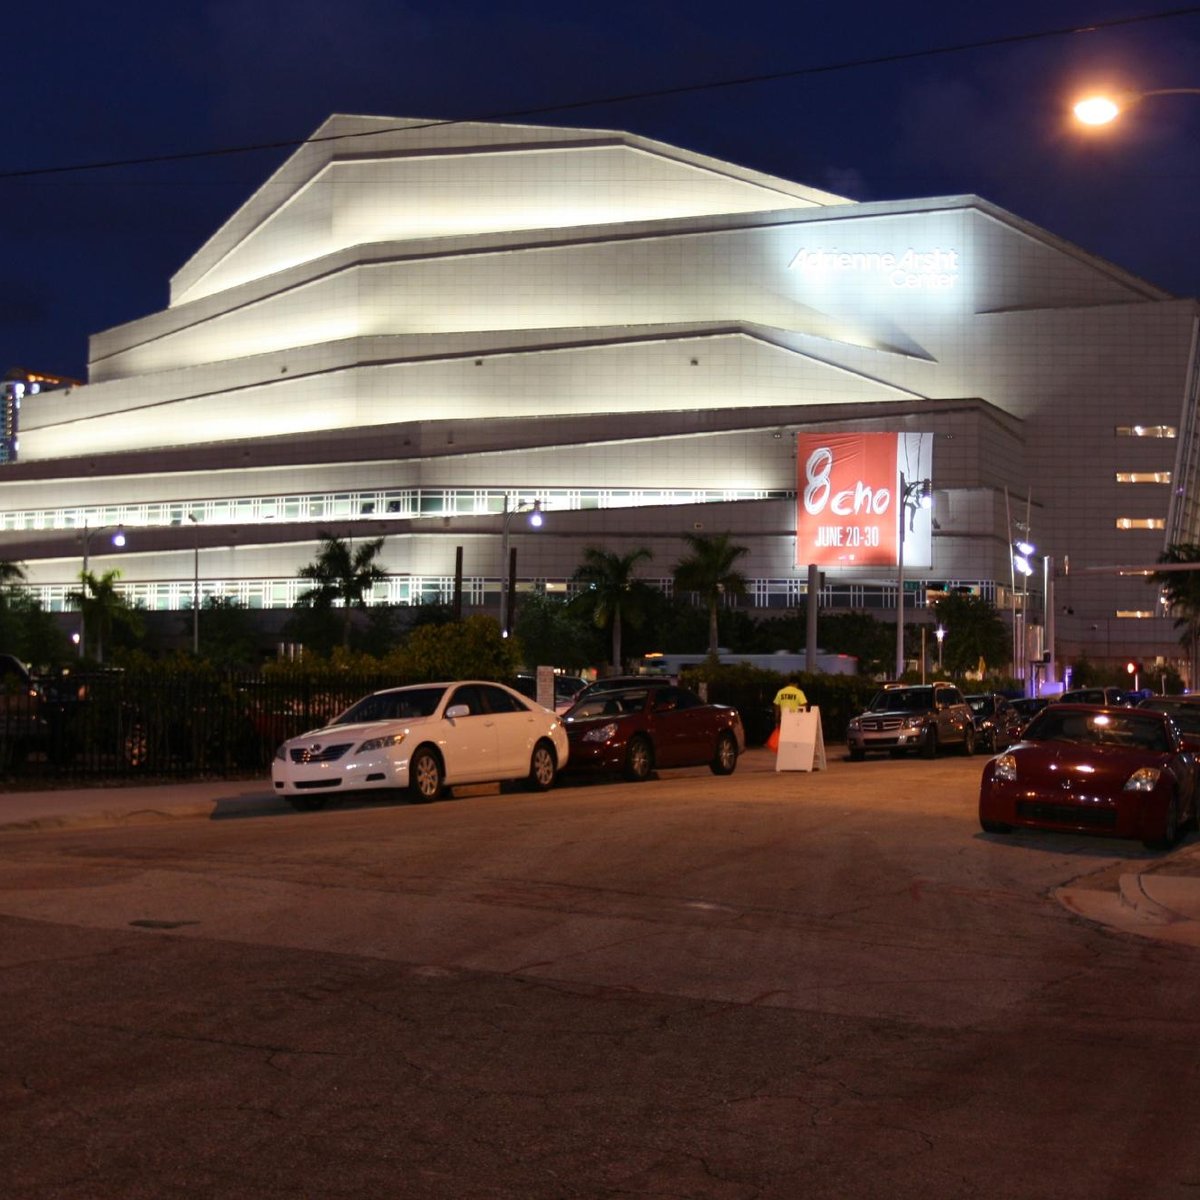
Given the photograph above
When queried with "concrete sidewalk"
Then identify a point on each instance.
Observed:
(137, 804)
(1163, 903)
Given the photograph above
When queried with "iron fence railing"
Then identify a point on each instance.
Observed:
(119, 725)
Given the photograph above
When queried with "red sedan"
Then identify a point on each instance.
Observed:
(1116, 771)
(638, 728)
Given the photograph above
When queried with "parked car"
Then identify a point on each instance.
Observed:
(566, 688)
(904, 717)
(1121, 772)
(617, 683)
(1183, 710)
(23, 727)
(424, 738)
(997, 723)
(633, 730)
(1110, 696)
(1028, 707)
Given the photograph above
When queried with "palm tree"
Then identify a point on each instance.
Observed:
(11, 573)
(341, 572)
(709, 571)
(103, 608)
(611, 592)
(1181, 591)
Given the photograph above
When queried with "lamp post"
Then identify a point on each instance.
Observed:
(918, 494)
(1103, 110)
(195, 585)
(118, 540)
(534, 519)
(1022, 552)
(940, 633)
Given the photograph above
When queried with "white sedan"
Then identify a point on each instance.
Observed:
(424, 738)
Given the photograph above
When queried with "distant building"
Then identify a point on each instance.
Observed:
(17, 384)
(411, 329)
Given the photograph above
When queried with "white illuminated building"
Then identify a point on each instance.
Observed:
(411, 321)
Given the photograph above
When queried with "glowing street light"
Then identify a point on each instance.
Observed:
(1102, 109)
(533, 518)
(118, 540)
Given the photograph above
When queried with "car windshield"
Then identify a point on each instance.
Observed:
(609, 704)
(1099, 729)
(980, 704)
(393, 706)
(914, 699)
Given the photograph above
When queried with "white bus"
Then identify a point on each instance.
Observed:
(782, 661)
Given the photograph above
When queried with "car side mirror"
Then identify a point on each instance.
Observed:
(457, 710)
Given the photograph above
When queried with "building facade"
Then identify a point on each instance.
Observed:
(413, 328)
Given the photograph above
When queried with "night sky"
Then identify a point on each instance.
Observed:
(83, 251)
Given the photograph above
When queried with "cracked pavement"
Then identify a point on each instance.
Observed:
(766, 986)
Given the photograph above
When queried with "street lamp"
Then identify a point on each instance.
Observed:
(940, 632)
(918, 494)
(118, 540)
(533, 518)
(1102, 110)
(195, 585)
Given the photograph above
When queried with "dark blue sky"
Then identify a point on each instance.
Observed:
(88, 250)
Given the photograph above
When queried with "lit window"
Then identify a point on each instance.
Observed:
(1143, 476)
(1152, 431)
(1141, 523)
(1139, 614)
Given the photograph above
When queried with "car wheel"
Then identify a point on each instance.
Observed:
(990, 744)
(307, 803)
(994, 826)
(857, 754)
(929, 747)
(1171, 830)
(639, 759)
(543, 768)
(726, 755)
(968, 746)
(424, 776)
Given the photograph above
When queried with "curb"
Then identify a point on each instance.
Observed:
(1164, 908)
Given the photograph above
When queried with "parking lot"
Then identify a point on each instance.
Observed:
(765, 984)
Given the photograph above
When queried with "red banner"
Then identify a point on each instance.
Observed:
(846, 499)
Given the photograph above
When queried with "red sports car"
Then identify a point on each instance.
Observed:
(1122, 772)
(638, 728)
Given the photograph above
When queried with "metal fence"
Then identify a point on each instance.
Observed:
(119, 725)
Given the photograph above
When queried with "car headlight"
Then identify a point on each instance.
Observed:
(854, 724)
(281, 753)
(1005, 768)
(379, 743)
(1144, 779)
(601, 733)
(913, 722)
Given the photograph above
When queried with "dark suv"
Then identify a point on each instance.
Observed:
(904, 717)
(22, 722)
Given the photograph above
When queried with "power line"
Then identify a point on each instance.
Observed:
(624, 98)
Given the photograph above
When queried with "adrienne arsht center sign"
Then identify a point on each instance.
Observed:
(849, 499)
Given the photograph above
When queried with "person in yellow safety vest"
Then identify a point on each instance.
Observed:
(789, 698)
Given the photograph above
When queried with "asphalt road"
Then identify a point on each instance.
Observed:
(763, 986)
